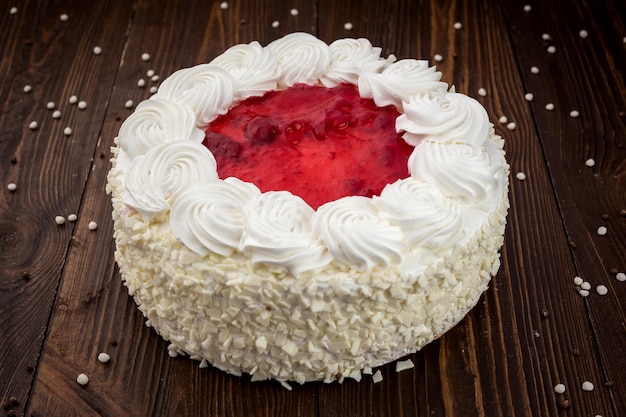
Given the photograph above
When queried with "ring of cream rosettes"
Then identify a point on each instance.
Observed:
(453, 167)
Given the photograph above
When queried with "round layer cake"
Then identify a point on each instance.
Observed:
(262, 278)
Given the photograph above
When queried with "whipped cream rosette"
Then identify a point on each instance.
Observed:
(260, 282)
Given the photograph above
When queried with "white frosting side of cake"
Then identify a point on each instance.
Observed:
(262, 283)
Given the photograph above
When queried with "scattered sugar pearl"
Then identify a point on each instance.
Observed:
(347, 26)
(482, 92)
(56, 114)
(82, 379)
(33, 125)
(275, 24)
(293, 12)
(67, 131)
(27, 88)
(574, 113)
(583, 293)
(224, 5)
(458, 25)
(12, 186)
(128, 104)
(141, 82)
(73, 100)
(97, 50)
(546, 37)
(534, 70)
(549, 106)
(72, 217)
(578, 281)
(150, 73)
(153, 89)
(583, 33)
(154, 78)
(620, 276)
(602, 290)
(438, 58)
(559, 388)
(551, 49)
(93, 225)
(145, 56)
(528, 8)
(585, 285)
(104, 357)
(50, 105)
(13, 10)
(503, 119)
(602, 230)
(82, 105)
(529, 96)
(590, 162)
(587, 386)
(511, 126)
(64, 17)
(59, 220)
(520, 176)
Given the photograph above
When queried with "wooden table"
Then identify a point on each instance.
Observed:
(61, 298)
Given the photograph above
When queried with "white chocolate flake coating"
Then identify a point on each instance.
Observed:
(208, 282)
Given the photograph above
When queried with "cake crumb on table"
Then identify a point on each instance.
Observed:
(404, 365)
(377, 377)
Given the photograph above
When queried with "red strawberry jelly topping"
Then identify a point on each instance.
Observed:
(318, 143)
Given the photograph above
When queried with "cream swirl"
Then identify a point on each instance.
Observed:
(348, 56)
(277, 232)
(426, 217)
(254, 69)
(355, 234)
(155, 122)
(206, 89)
(154, 180)
(399, 81)
(444, 118)
(302, 58)
(208, 217)
(457, 170)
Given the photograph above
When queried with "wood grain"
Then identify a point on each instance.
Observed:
(61, 298)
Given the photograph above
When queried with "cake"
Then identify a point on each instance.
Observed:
(260, 279)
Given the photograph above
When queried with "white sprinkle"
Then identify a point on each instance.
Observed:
(559, 388)
(585, 285)
(13, 10)
(404, 365)
(153, 89)
(145, 56)
(347, 26)
(155, 78)
(50, 105)
(224, 5)
(56, 114)
(275, 24)
(72, 217)
(141, 82)
(602, 290)
(590, 162)
(73, 100)
(93, 225)
(583, 293)
(128, 104)
(27, 88)
(578, 281)
(150, 73)
(367, 370)
(97, 50)
(583, 33)
(546, 37)
(82, 379)
(551, 49)
(503, 119)
(574, 113)
(528, 8)
(438, 58)
(529, 96)
(587, 386)
(520, 176)
(550, 106)
(293, 12)
(104, 357)
(82, 105)
(33, 125)
(482, 92)
(64, 17)
(12, 186)
(377, 377)
(534, 70)
(458, 25)
(67, 131)
(59, 220)
(602, 230)
(511, 126)
(620, 276)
